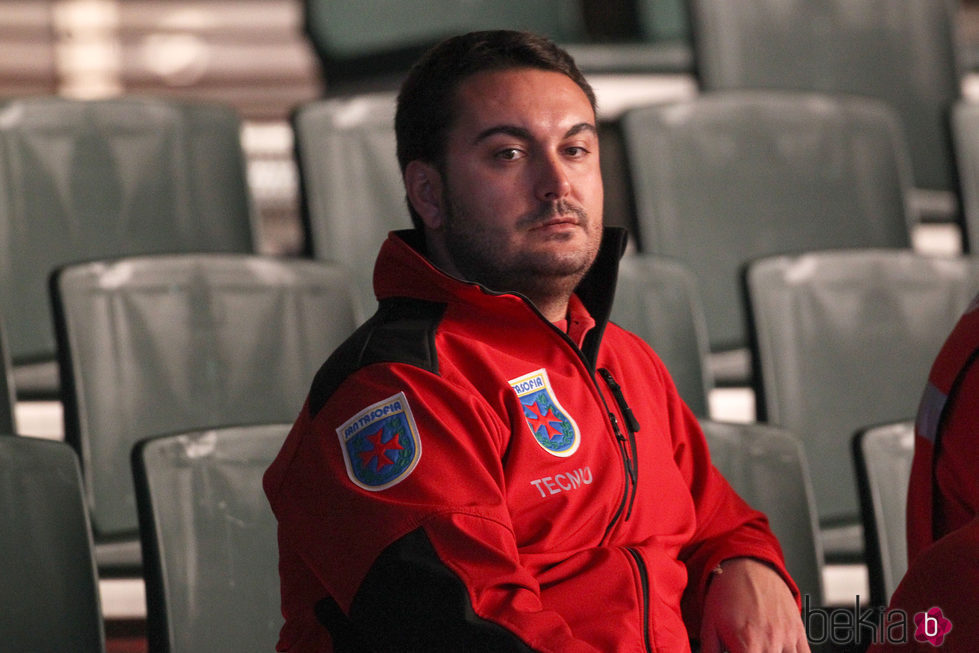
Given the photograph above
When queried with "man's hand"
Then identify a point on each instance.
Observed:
(750, 609)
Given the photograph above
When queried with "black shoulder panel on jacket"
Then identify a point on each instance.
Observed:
(344, 634)
(401, 331)
(422, 605)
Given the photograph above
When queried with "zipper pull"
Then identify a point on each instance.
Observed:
(629, 465)
(630, 419)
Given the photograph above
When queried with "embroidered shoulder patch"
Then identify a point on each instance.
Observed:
(553, 428)
(380, 444)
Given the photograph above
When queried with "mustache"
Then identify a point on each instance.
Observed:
(550, 210)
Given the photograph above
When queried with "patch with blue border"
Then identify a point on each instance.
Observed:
(553, 428)
(381, 445)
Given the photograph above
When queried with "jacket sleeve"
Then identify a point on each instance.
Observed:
(431, 562)
(726, 526)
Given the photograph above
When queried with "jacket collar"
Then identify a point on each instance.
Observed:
(418, 277)
(597, 290)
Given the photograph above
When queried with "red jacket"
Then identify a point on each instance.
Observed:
(937, 599)
(943, 493)
(464, 477)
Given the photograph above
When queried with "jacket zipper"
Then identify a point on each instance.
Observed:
(632, 425)
(629, 455)
(630, 475)
(630, 463)
(644, 580)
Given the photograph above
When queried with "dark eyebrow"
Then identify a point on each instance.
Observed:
(523, 134)
(582, 127)
(508, 130)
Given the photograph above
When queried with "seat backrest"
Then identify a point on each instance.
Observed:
(351, 183)
(633, 37)
(842, 339)
(965, 136)
(663, 20)
(385, 36)
(899, 51)
(727, 177)
(882, 455)
(209, 539)
(767, 467)
(49, 597)
(160, 344)
(657, 299)
(81, 180)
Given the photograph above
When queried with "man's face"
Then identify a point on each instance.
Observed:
(521, 186)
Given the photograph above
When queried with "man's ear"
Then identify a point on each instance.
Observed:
(423, 185)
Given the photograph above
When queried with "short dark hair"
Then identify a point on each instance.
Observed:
(426, 103)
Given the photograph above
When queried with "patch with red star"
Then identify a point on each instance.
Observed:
(553, 428)
(380, 444)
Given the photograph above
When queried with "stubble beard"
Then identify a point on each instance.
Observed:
(543, 276)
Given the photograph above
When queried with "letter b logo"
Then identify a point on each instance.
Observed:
(931, 626)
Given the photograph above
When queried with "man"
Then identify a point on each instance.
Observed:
(488, 464)
(943, 494)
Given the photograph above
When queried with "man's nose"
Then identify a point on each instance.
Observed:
(552, 179)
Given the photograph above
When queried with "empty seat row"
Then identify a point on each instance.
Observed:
(717, 180)
(160, 344)
(83, 180)
(844, 339)
(207, 534)
(841, 339)
(370, 45)
(902, 52)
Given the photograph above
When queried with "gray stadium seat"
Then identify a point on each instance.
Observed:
(727, 177)
(382, 38)
(882, 456)
(768, 468)
(965, 135)
(842, 339)
(902, 52)
(93, 179)
(371, 44)
(49, 596)
(657, 298)
(209, 539)
(160, 344)
(351, 183)
(657, 43)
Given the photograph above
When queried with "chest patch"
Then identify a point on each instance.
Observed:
(553, 428)
(380, 444)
